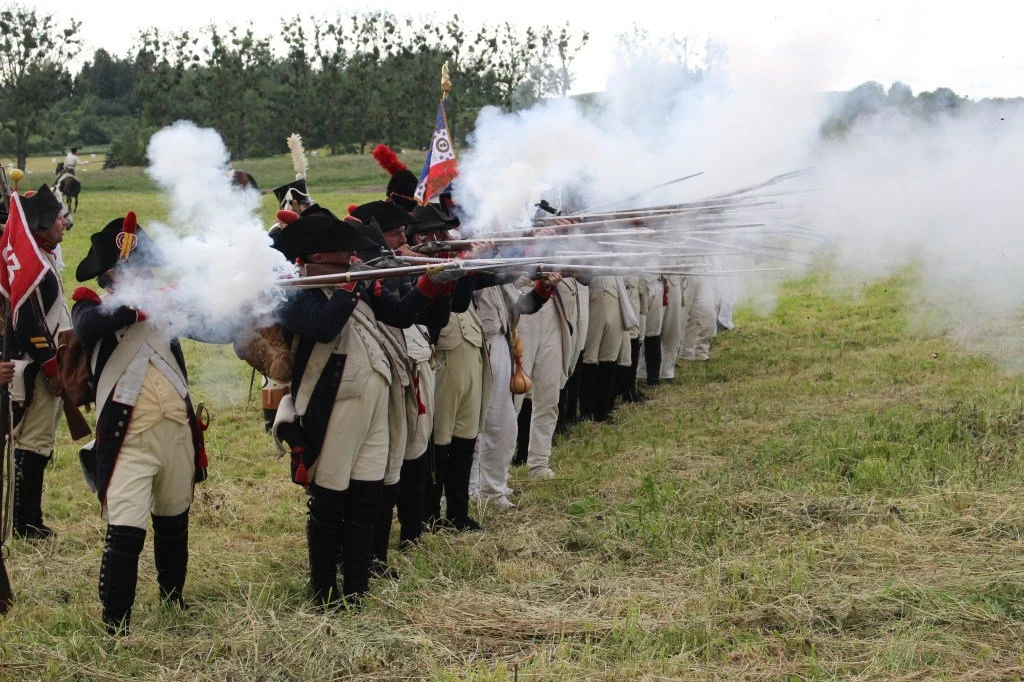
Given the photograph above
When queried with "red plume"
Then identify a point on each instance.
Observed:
(352, 208)
(130, 222)
(388, 160)
(287, 217)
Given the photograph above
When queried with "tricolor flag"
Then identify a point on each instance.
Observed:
(23, 262)
(440, 167)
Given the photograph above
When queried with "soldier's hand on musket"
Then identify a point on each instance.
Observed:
(6, 373)
(449, 274)
(544, 232)
(479, 249)
(566, 221)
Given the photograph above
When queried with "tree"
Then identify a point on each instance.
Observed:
(33, 70)
(236, 77)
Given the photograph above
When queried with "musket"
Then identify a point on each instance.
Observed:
(6, 469)
(696, 209)
(318, 281)
(639, 194)
(429, 248)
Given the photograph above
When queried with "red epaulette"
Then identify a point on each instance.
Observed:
(85, 294)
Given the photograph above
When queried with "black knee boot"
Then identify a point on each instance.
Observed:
(170, 553)
(323, 537)
(28, 495)
(604, 390)
(437, 472)
(382, 530)
(652, 354)
(456, 485)
(632, 392)
(357, 537)
(119, 575)
(411, 494)
(523, 433)
(588, 392)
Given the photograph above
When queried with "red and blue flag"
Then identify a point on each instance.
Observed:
(440, 167)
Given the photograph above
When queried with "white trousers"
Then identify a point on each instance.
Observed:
(154, 474)
(496, 444)
(671, 329)
(542, 360)
(699, 318)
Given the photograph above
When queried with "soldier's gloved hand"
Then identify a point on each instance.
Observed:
(448, 275)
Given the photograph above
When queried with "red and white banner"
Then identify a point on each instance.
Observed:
(24, 264)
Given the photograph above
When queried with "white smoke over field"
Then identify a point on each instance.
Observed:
(935, 191)
(943, 196)
(217, 259)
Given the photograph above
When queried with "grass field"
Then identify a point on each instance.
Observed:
(831, 496)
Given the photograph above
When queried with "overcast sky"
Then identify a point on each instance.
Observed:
(973, 47)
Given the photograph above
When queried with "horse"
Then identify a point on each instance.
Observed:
(243, 180)
(69, 187)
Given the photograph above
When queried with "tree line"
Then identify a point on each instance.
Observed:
(343, 83)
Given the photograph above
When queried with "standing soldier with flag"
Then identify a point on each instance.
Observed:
(33, 286)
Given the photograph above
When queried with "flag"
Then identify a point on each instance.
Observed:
(24, 264)
(440, 167)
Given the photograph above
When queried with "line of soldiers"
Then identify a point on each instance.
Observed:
(400, 393)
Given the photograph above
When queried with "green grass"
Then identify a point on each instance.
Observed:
(832, 496)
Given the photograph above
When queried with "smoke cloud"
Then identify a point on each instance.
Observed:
(218, 260)
(897, 190)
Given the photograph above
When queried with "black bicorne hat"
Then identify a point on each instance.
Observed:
(293, 191)
(105, 251)
(41, 209)
(430, 218)
(386, 215)
(321, 232)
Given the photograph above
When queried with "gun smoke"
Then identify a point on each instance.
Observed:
(933, 196)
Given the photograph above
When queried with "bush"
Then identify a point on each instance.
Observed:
(128, 147)
(91, 132)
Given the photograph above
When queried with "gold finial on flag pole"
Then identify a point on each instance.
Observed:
(446, 82)
(16, 175)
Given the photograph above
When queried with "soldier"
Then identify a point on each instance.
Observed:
(671, 326)
(699, 318)
(336, 419)
(146, 426)
(410, 412)
(552, 343)
(401, 188)
(462, 390)
(652, 333)
(499, 306)
(639, 301)
(607, 342)
(37, 382)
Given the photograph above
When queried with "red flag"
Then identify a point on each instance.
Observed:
(23, 262)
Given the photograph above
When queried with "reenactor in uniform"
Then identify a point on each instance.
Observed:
(499, 305)
(410, 412)
(37, 387)
(149, 450)
(552, 344)
(699, 318)
(603, 351)
(671, 326)
(336, 419)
